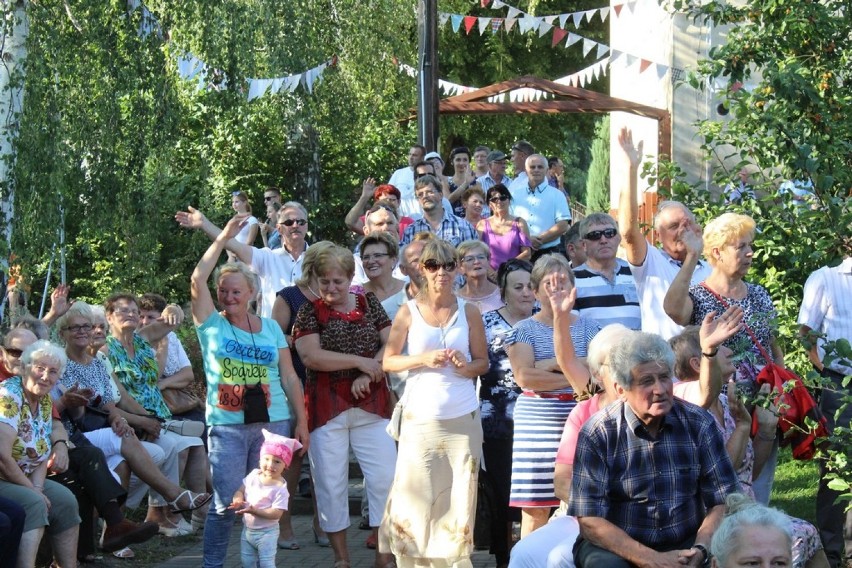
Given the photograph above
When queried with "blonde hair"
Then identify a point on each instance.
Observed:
(724, 230)
(384, 239)
(309, 262)
(547, 264)
(332, 257)
(78, 308)
(236, 268)
(242, 196)
(467, 246)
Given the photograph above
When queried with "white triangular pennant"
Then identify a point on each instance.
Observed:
(661, 71)
(484, 24)
(550, 19)
(496, 4)
(572, 39)
(588, 45)
(443, 18)
(631, 59)
(577, 17)
(513, 12)
(602, 49)
(292, 81)
(588, 14)
(543, 28)
(604, 13)
(563, 19)
(276, 85)
(510, 23)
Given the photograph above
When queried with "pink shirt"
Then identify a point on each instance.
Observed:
(580, 413)
(263, 497)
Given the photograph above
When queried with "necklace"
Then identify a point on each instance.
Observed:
(442, 326)
(311, 290)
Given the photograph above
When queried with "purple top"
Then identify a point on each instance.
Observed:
(504, 247)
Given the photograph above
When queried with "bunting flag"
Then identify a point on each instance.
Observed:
(495, 24)
(469, 22)
(558, 35)
(308, 79)
(484, 24)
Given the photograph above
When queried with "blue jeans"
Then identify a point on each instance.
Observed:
(234, 452)
(258, 547)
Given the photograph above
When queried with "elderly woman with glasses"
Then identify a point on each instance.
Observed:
(549, 388)
(440, 340)
(498, 393)
(26, 426)
(478, 289)
(506, 236)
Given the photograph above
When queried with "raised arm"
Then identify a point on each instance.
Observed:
(202, 300)
(713, 333)
(194, 219)
(634, 241)
(678, 304)
(353, 218)
(59, 304)
(168, 321)
(562, 302)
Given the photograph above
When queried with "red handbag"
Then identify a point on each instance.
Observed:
(794, 401)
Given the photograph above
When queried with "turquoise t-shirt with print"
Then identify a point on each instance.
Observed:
(234, 358)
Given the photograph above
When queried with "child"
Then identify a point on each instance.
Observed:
(262, 499)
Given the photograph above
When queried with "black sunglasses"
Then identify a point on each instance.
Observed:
(432, 265)
(596, 235)
(13, 352)
(268, 197)
(291, 222)
(496, 198)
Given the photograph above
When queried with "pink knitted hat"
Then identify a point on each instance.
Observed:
(279, 446)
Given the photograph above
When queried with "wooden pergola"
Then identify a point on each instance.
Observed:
(566, 99)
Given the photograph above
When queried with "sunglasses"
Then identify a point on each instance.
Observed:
(16, 353)
(291, 222)
(596, 235)
(432, 265)
(268, 197)
(496, 198)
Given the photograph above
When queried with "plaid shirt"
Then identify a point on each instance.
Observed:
(657, 491)
(452, 229)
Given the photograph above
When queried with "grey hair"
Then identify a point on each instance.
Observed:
(601, 345)
(635, 349)
(43, 349)
(595, 219)
(294, 205)
(238, 268)
(77, 309)
(742, 512)
(669, 204)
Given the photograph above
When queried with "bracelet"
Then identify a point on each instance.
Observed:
(61, 442)
(39, 487)
(703, 549)
(764, 438)
(711, 354)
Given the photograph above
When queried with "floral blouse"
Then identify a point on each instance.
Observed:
(497, 390)
(140, 374)
(32, 446)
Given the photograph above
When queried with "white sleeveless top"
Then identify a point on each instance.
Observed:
(439, 394)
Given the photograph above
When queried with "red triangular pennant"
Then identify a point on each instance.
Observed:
(469, 22)
(643, 64)
(558, 35)
(618, 8)
(484, 3)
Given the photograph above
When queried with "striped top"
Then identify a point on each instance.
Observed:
(608, 301)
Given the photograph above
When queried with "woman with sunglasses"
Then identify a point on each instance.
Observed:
(506, 236)
(440, 340)
(548, 390)
(498, 393)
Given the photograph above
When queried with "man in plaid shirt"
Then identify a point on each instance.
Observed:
(436, 218)
(650, 472)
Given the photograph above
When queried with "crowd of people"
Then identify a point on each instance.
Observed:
(475, 343)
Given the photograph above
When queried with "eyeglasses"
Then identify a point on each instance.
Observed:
(474, 257)
(418, 175)
(426, 193)
(497, 198)
(432, 265)
(16, 353)
(133, 312)
(596, 235)
(78, 328)
(376, 256)
(291, 222)
(268, 197)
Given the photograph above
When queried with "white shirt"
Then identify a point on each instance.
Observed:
(541, 208)
(276, 269)
(827, 307)
(521, 181)
(243, 235)
(653, 279)
(403, 180)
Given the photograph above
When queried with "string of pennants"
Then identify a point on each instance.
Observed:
(192, 68)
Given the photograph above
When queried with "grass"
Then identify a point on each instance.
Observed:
(794, 491)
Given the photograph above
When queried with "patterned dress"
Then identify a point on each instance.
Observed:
(139, 375)
(540, 420)
(32, 443)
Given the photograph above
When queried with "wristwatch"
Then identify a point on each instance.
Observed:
(703, 550)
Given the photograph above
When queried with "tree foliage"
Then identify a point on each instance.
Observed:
(597, 186)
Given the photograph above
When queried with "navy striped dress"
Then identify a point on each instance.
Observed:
(539, 422)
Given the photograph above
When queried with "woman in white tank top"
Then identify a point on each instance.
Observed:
(430, 512)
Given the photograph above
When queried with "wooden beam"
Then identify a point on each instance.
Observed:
(612, 105)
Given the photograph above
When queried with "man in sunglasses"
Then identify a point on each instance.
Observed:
(654, 269)
(606, 291)
(544, 208)
(275, 268)
(437, 217)
(403, 180)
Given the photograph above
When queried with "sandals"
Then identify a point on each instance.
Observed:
(196, 501)
(124, 553)
(342, 564)
(291, 544)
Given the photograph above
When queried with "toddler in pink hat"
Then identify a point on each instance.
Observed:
(262, 499)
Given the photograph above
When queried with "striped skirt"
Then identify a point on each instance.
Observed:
(539, 423)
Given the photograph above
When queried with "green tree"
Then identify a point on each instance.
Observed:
(597, 185)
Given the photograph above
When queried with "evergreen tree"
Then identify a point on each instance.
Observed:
(597, 186)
